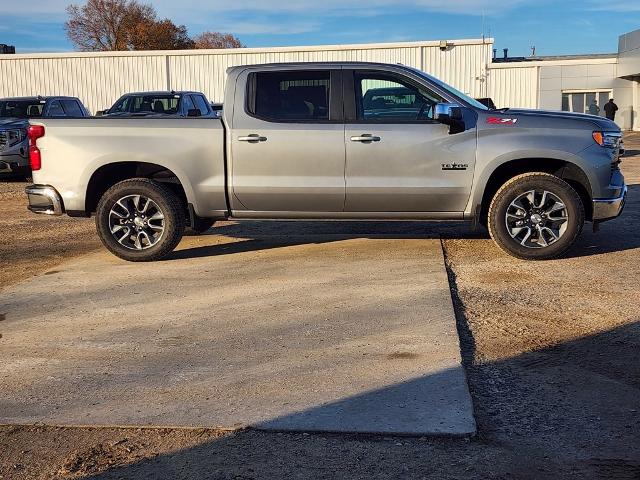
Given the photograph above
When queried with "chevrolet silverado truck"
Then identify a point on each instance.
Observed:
(309, 141)
(14, 121)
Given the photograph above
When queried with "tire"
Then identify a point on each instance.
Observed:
(533, 227)
(200, 227)
(146, 218)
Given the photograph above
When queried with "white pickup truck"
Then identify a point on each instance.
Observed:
(332, 141)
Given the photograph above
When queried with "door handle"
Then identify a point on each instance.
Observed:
(365, 138)
(253, 138)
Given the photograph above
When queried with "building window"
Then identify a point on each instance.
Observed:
(591, 102)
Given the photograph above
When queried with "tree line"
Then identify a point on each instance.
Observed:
(103, 25)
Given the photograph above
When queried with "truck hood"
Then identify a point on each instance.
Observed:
(600, 122)
(13, 123)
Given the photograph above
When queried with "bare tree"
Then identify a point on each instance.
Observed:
(105, 24)
(217, 40)
(101, 25)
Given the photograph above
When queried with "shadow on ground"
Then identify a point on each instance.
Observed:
(615, 235)
(512, 401)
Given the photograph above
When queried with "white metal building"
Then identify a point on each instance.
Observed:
(98, 79)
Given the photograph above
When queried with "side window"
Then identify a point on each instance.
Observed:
(290, 96)
(388, 98)
(55, 109)
(72, 108)
(201, 104)
(187, 104)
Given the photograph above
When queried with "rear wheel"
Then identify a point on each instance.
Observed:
(140, 220)
(536, 216)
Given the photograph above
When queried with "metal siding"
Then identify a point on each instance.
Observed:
(514, 87)
(99, 79)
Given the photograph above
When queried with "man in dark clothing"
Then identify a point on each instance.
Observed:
(610, 109)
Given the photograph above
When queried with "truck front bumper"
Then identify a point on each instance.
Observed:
(609, 208)
(44, 199)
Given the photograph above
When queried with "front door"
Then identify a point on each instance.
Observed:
(287, 143)
(398, 158)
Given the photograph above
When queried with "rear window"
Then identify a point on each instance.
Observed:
(21, 108)
(290, 96)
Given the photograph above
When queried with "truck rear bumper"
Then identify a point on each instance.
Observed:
(44, 199)
(609, 208)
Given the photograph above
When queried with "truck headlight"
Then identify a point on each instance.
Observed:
(608, 139)
(12, 137)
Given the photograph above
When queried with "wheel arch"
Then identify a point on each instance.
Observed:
(564, 169)
(109, 174)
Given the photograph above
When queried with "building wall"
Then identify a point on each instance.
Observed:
(514, 87)
(100, 78)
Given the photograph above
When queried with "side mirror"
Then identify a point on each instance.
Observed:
(450, 114)
(100, 113)
(194, 112)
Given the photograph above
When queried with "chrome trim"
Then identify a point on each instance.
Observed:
(54, 206)
(608, 208)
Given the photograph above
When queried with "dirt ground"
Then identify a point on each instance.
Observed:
(551, 349)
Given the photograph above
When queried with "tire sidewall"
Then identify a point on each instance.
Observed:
(555, 185)
(163, 197)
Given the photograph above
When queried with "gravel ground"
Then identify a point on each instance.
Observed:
(551, 350)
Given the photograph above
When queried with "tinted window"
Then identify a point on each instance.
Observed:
(159, 104)
(21, 108)
(381, 97)
(187, 104)
(55, 109)
(290, 96)
(201, 104)
(72, 108)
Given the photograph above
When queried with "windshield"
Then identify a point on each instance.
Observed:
(453, 91)
(21, 108)
(158, 104)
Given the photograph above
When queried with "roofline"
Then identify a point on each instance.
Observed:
(236, 51)
(613, 59)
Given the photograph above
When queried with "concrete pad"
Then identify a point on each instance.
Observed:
(312, 333)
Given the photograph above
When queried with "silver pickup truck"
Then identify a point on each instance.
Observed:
(332, 141)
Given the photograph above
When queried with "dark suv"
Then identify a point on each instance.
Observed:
(160, 104)
(14, 121)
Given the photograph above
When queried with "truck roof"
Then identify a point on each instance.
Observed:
(36, 98)
(163, 92)
(321, 64)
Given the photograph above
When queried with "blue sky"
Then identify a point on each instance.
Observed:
(567, 27)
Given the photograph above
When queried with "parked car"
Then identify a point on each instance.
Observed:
(165, 104)
(14, 120)
(301, 141)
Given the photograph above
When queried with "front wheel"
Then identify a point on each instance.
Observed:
(536, 216)
(140, 220)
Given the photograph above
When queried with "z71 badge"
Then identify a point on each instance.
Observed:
(455, 166)
(502, 121)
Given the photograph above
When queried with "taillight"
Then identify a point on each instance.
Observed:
(34, 133)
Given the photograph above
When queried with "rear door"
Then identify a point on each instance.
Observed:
(398, 158)
(287, 142)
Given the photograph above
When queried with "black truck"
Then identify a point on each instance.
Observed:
(14, 121)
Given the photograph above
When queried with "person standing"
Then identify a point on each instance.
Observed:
(594, 109)
(610, 109)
